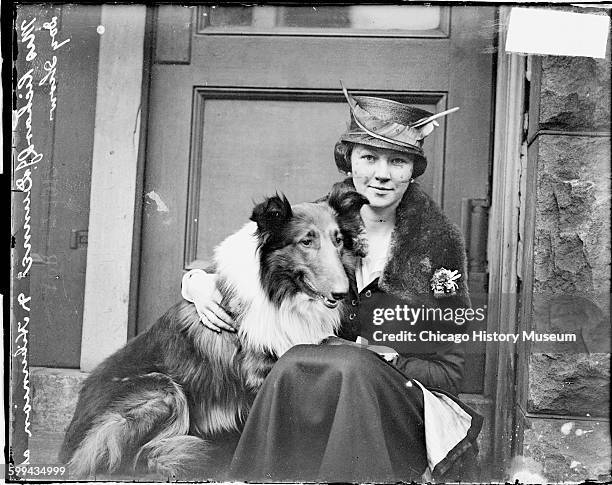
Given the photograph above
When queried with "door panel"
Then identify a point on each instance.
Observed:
(237, 114)
(241, 166)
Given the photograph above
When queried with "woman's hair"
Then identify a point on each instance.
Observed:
(342, 155)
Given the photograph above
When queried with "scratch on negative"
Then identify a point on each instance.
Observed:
(136, 123)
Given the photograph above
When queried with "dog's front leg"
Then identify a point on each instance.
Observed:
(255, 367)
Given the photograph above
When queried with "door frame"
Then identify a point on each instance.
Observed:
(114, 173)
(503, 248)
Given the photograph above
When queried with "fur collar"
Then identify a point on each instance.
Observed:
(424, 240)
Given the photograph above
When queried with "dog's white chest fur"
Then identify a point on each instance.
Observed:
(263, 325)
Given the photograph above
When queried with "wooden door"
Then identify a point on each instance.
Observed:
(245, 102)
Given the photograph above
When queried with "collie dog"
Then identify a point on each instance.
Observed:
(158, 404)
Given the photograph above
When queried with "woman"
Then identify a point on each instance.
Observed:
(338, 413)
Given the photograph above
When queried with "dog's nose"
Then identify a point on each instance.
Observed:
(338, 296)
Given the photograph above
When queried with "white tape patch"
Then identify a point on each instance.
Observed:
(161, 206)
(553, 32)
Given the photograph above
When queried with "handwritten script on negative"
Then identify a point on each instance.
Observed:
(27, 156)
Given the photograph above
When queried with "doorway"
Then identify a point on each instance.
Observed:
(246, 101)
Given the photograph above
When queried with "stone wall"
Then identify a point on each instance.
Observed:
(565, 392)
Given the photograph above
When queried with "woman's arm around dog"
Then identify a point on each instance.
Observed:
(199, 288)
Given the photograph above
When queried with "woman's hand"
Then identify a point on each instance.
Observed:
(200, 288)
(212, 313)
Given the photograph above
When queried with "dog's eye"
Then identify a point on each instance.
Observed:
(306, 242)
(339, 239)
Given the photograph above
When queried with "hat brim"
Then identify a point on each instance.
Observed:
(365, 139)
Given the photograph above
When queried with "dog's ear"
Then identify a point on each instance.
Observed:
(346, 201)
(271, 215)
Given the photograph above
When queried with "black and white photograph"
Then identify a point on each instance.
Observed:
(304, 242)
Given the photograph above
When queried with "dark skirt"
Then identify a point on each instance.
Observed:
(333, 413)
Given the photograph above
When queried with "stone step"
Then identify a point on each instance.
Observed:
(54, 397)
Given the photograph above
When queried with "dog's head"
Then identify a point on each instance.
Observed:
(303, 248)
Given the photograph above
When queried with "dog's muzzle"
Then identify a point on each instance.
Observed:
(329, 303)
(311, 291)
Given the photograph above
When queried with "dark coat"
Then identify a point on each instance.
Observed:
(344, 402)
(424, 240)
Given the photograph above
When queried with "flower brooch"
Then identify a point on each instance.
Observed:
(443, 282)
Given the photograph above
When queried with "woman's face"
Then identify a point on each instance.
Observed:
(381, 174)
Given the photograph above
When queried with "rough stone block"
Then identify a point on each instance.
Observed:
(572, 227)
(45, 447)
(54, 397)
(569, 450)
(575, 94)
(583, 318)
(569, 383)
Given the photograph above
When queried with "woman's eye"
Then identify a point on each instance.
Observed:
(306, 242)
(368, 157)
(398, 161)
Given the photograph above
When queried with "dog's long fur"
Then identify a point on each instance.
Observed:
(159, 404)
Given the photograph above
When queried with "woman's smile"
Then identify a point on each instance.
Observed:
(381, 174)
(384, 190)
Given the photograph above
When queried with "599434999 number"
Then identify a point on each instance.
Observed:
(40, 471)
